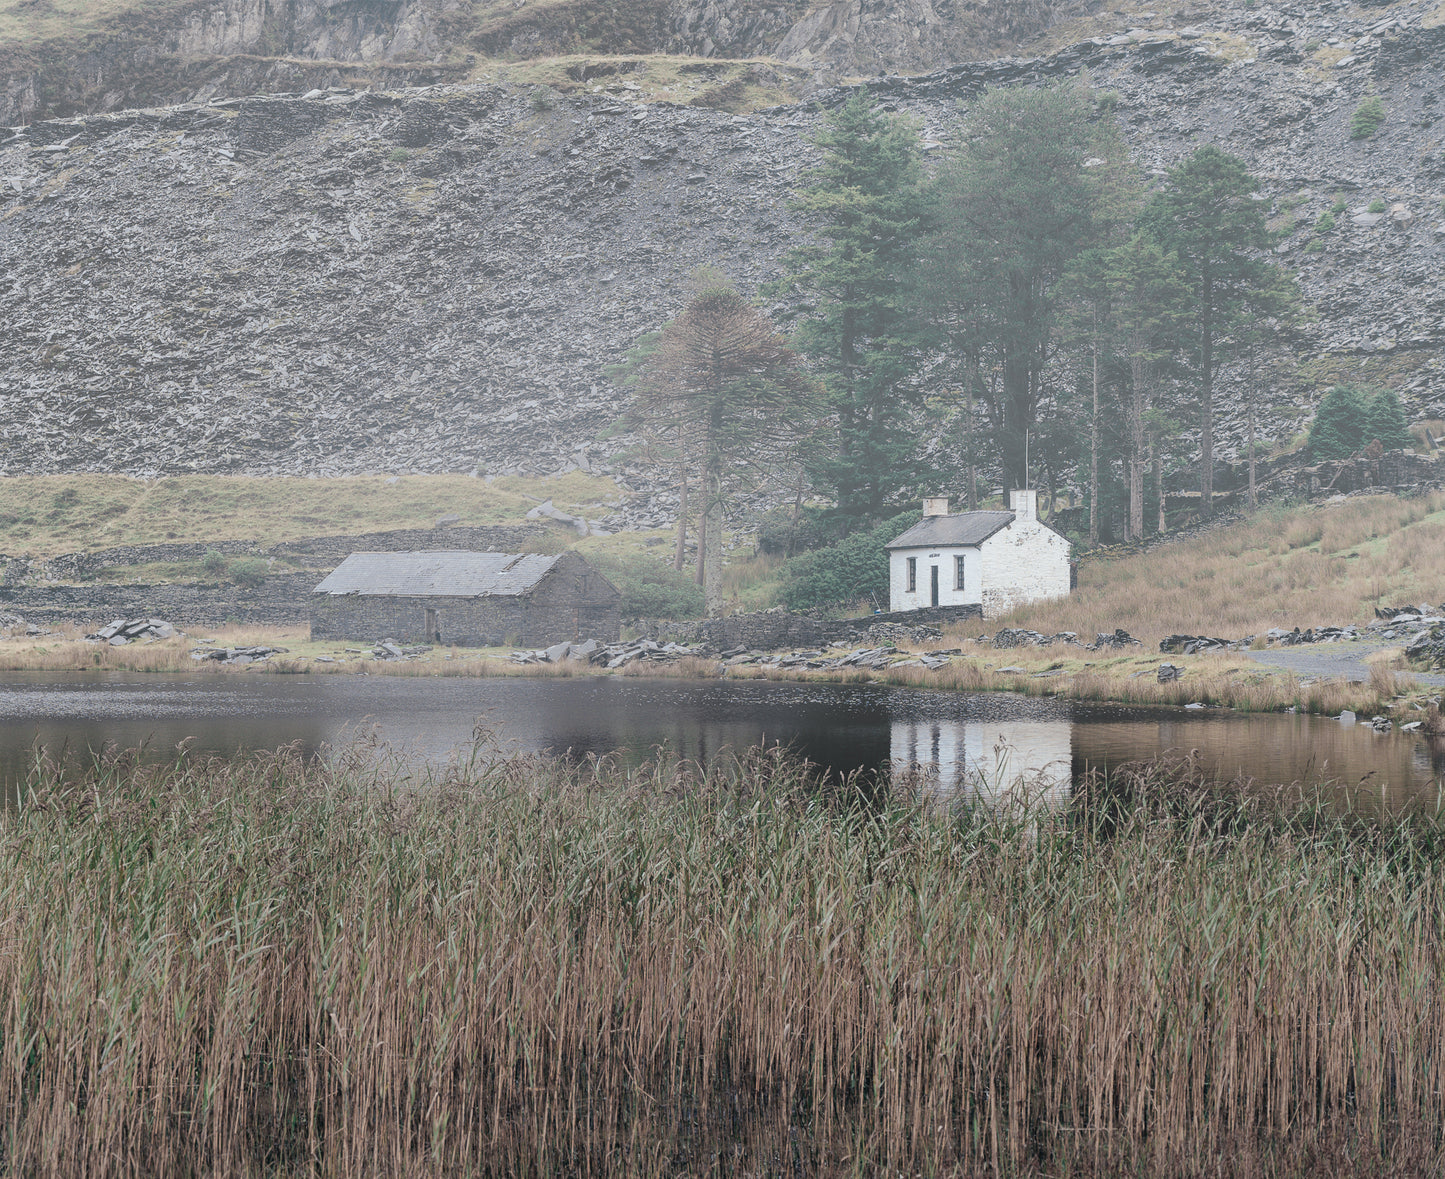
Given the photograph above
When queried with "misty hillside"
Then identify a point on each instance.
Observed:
(436, 278)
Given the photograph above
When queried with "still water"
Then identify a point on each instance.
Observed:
(960, 741)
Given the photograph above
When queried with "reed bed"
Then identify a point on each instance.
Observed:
(280, 967)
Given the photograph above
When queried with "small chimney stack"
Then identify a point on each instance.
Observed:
(1025, 504)
(935, 505)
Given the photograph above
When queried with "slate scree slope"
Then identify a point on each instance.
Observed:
(435, 279)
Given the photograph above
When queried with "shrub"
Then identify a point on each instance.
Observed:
(778, 533)
(1339, 206)
(249, 572)
(1315, 246)
(213, 563)
(1325, 223)
(1367, 117)
(399, 155)
(1377, 206)
(856, 567)
(650, 588)
(542, 99)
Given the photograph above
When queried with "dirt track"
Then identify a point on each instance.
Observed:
(1334, 660)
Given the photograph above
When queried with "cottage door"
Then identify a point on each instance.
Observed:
(933, 577)
(433, 632)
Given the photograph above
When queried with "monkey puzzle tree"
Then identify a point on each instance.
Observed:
(724, 380)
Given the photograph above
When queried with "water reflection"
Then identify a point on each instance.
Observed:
(1028, 761)
(960, 743)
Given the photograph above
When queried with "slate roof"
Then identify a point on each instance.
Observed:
(447, 574)
(966, 528)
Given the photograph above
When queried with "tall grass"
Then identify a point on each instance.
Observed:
(1301, 566)
(279, 967)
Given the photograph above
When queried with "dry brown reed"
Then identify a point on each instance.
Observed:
(281, 967)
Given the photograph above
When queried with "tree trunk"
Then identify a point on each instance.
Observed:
(680, 555)
(1253, 496)
(1158, 459)
(1206, 381)
(712, 582)
(1094, 452)
(1138, 442)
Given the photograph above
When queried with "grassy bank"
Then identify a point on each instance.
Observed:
(45, 515)
(1310, 565)
(527, 969)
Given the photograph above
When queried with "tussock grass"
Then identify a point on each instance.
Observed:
(1327, 564)
(272, 966)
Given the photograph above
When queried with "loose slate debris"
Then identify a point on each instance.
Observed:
(121, 632)
(388, 649)
(235, 656)
(1193, 645)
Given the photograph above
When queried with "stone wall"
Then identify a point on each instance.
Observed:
(466, 622)
(280, 600)
(777, 629)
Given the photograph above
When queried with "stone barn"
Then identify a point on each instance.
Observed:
(997, 560)
(466, 599)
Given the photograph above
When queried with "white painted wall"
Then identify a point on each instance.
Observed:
(900, 599)
(991, 760)
(1024, 562)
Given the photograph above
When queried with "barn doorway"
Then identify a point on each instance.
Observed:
(933, 577)
(433, 631)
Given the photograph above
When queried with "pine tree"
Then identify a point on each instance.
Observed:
(1385, 421)
(1338, 430)
(865, 198)
(1207, 215)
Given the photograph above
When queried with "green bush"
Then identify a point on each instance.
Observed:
(778, 533)
(1339, 206)
(856, 567)
(542, 99)
(1325, 223)
(249, 571)
(650, 588)
(213, 563)
(1350, 418)
(1377, 206)
(1367, 117)
(399, 155)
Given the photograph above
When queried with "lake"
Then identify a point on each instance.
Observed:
(960, 740)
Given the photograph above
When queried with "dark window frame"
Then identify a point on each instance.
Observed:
(912, 575)
(958, 571)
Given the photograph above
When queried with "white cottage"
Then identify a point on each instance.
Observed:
(996, 559)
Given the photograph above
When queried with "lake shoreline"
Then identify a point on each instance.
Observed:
(1130, 676)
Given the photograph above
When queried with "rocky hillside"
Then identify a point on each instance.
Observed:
(434, 279)
(64, 57)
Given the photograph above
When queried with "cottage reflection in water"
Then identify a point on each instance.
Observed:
(994, 760)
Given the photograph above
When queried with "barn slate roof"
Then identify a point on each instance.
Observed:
(966, 528)
(445, 574)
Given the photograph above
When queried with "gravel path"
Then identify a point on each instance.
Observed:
(1334, 660)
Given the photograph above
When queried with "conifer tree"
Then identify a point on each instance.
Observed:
(1208, 216)
(1035, 180)
(865, 198)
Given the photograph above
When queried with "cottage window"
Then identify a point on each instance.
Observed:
(958, 572)
(912, 575)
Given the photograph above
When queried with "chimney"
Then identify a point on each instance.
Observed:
(1025, 504)
(935, 505)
